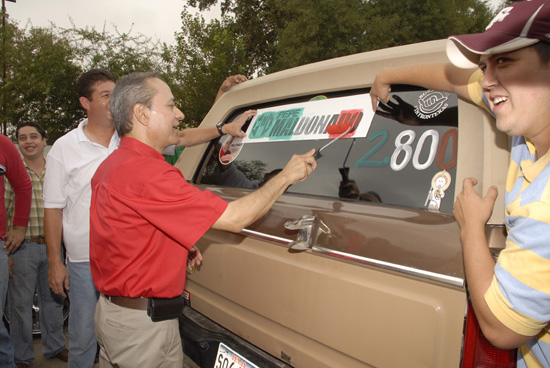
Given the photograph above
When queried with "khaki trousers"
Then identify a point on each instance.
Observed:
(128, 338)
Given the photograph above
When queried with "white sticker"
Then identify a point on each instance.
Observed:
(231, 147)
(440, 183)
(431, 103)
(312, 120)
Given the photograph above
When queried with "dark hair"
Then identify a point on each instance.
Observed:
(370, 196)
(37, 126)
(348, 189)
(87, 81)
(543, 50)
(129, 91)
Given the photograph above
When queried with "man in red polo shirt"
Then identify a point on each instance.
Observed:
(145, 219)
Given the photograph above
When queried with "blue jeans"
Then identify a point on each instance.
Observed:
(31, 273)
(6, 346)
(83, 296)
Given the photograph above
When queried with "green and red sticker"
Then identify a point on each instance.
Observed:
(318, 118)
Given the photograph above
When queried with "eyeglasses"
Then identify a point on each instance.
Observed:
(2, 170)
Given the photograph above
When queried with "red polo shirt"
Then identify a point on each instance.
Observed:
(144, 217)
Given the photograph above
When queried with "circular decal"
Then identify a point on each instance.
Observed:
(441, 181)
(231, 147)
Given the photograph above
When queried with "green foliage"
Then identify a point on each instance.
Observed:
(39, 84)
(400, 22)
(120, 53)
(254, 170)
(318, 30)
(43, 64)
(253, 37)
(277, 35)
(205, 55)
(258, 23)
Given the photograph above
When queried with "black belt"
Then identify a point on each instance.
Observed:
(37, 239)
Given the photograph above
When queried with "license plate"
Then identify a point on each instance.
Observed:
(228, 358)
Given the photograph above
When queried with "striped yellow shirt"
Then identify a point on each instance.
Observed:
(519, 295)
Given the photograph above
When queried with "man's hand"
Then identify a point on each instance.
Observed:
(245, 210)
(299, 167)
(234, 128)
(14, 238)
(194, 258)
(58, 279)
(380, 90)
(230, 82)
(10, 266)
(471, 210)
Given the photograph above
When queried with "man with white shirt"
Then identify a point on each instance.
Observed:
(72, 162)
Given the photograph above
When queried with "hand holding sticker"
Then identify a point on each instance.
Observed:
(233, 144)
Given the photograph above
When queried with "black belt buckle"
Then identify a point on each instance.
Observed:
(162, 309)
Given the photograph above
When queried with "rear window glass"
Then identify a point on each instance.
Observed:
(407, 158)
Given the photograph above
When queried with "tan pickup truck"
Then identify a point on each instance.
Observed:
(360, 265)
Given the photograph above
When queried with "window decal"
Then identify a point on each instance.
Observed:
(431, 103)
(312, 120)
(231, 147)
(440, 183)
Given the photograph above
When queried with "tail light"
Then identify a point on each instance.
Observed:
(478, 351)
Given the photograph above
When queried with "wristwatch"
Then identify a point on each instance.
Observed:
(219, 127)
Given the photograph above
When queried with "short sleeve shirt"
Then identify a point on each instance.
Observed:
(71, 162)
(144, 217)
(519, 295)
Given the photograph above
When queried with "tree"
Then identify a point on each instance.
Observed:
(282, 34)
(256, 24)
(120, 53)
(43, 65)
(394, 23)
(318, 30)
(253, 37)
(204, 56)
(40, 81)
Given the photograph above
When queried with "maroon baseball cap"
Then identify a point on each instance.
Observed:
(520, 25)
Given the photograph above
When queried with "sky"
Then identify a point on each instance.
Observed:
(158, 19)
(153, 18)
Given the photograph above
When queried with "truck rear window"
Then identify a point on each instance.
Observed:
(407, 158)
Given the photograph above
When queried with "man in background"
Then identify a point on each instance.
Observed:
(12, 168)
(30, 261)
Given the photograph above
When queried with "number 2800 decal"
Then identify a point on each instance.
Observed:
(406, 151)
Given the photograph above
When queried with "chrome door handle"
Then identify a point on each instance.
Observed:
(304, 225)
